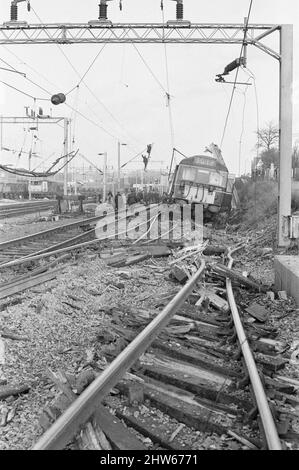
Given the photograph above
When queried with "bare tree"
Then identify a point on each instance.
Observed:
(268, 137)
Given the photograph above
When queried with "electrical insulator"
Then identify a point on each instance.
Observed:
(179, 11)
(13, 12)
(103, 9)
(58, 99)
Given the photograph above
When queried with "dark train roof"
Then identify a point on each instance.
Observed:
(204, 161)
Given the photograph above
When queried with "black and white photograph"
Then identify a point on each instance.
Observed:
(149, 228)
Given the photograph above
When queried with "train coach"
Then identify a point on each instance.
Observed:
(204, 179)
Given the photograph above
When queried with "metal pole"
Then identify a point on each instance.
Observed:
(66, 151)
(285, 124)
(105, 177)
(29, 181)
(142, 179)
(118, 168)
(1, 133)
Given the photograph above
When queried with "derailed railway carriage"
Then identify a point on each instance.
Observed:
(204, 179)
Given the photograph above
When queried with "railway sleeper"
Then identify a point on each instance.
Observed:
(184, 408)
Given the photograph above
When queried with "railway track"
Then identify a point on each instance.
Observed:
(21, 209)
(56, 242)
(192, 364)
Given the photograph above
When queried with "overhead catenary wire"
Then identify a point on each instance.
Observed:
(237, 73)
(243, 125)
(70, 156)
(134, 158)
(85, 84)
(23, 92)
(150, 69)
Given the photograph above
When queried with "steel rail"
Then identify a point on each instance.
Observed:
(68, 226)
(45, 253)
(79, 412)
(6, 213)
(21, 205)
(269, 426)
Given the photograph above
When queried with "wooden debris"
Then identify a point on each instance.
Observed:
(270, 295)
(3, 415)
(85, 378)
(102, 439)
(135, 394)
(147, 426)
(214, 250)
(62, 384)
(119, 435)
(179, 274)
(11, 414)
(28, 283)
(88, 438)
(11, 391)
(258, 312)
(214, 299)
(237, 277)
(242, 440)
(282, 295)
(2, 352)
(176, 432)
(10, 335)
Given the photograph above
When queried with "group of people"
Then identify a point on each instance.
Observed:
(119, 200)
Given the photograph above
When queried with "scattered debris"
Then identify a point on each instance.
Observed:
(282, 295)
(258, 312)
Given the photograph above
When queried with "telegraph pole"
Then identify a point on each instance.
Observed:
(285, 128)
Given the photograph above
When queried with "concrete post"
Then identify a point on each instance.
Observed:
(66, 151)
(118, 168)
(285, 125)
(105, 177)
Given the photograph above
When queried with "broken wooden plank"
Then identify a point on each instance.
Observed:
(236, 276)
(27, 284)
(13, 391)
(120, 436)
(147, 426)
(241, 439)
(214, 299)
(179, 275)
(88, 439)
(187, 410)
(214, 250)
(102, 439)
(10, 335)
(258, 312)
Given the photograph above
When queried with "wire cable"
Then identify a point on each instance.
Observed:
(85, 84)
(237, 73)
(149, 69)
(243, 123)
(23, 92)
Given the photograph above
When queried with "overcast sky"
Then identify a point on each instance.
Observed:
(121, 81)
